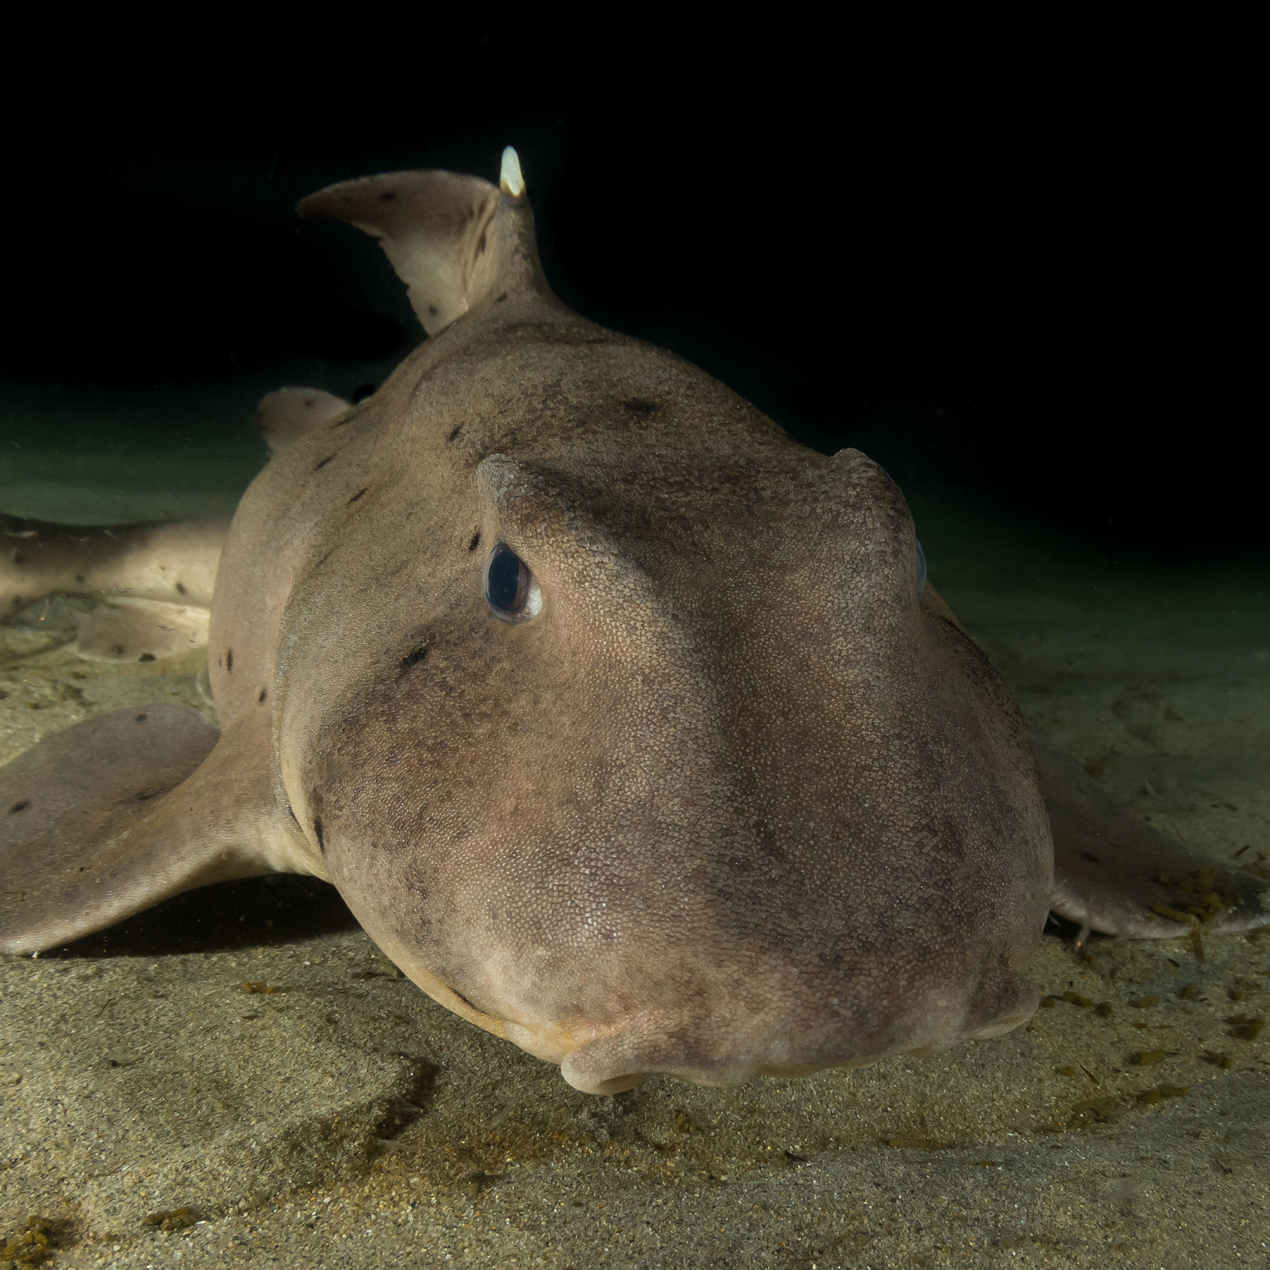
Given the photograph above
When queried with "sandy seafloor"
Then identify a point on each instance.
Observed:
(342, 1119)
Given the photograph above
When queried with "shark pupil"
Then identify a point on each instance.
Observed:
(507, 581)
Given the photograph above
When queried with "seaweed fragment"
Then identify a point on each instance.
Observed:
(174, 1219)
(32, 1246)
(1158, 1093)
(1094, 1111)
(1208, 903)
(1244, 1027)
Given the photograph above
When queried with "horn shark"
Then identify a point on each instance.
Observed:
(629, 728)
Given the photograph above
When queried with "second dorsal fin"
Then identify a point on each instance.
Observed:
(452, 239)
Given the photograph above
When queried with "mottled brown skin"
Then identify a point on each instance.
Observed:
(738, 799)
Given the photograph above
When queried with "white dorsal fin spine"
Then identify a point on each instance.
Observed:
(510, 179)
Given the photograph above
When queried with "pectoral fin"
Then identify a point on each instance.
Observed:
(287, 415)
(125, 810)
(124, 629)
(1118, 874)
(174, 562)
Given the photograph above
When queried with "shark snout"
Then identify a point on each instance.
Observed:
(722, 1042)
(621, 1060)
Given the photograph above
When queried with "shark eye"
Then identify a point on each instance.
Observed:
(511, 590)
(921, 569)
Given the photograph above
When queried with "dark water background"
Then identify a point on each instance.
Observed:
(1016, 272)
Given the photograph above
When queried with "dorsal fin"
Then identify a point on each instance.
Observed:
(453, 240)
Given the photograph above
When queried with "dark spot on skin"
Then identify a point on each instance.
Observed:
(362, 391)
(317, 833)
(640, 405)
(141, 718)
(146, 657)
(22, 806)
(229, 660)
(771, 850)
(476, 541)
(433, 310)
(321, 463)
(264, 692)
(356, 496)
(387, 196)
(413, 659)
(1093, 859)
(17, 557)
(501, 298)
(117, 649)
(454, 432)
(79, 577)
(180, 586)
